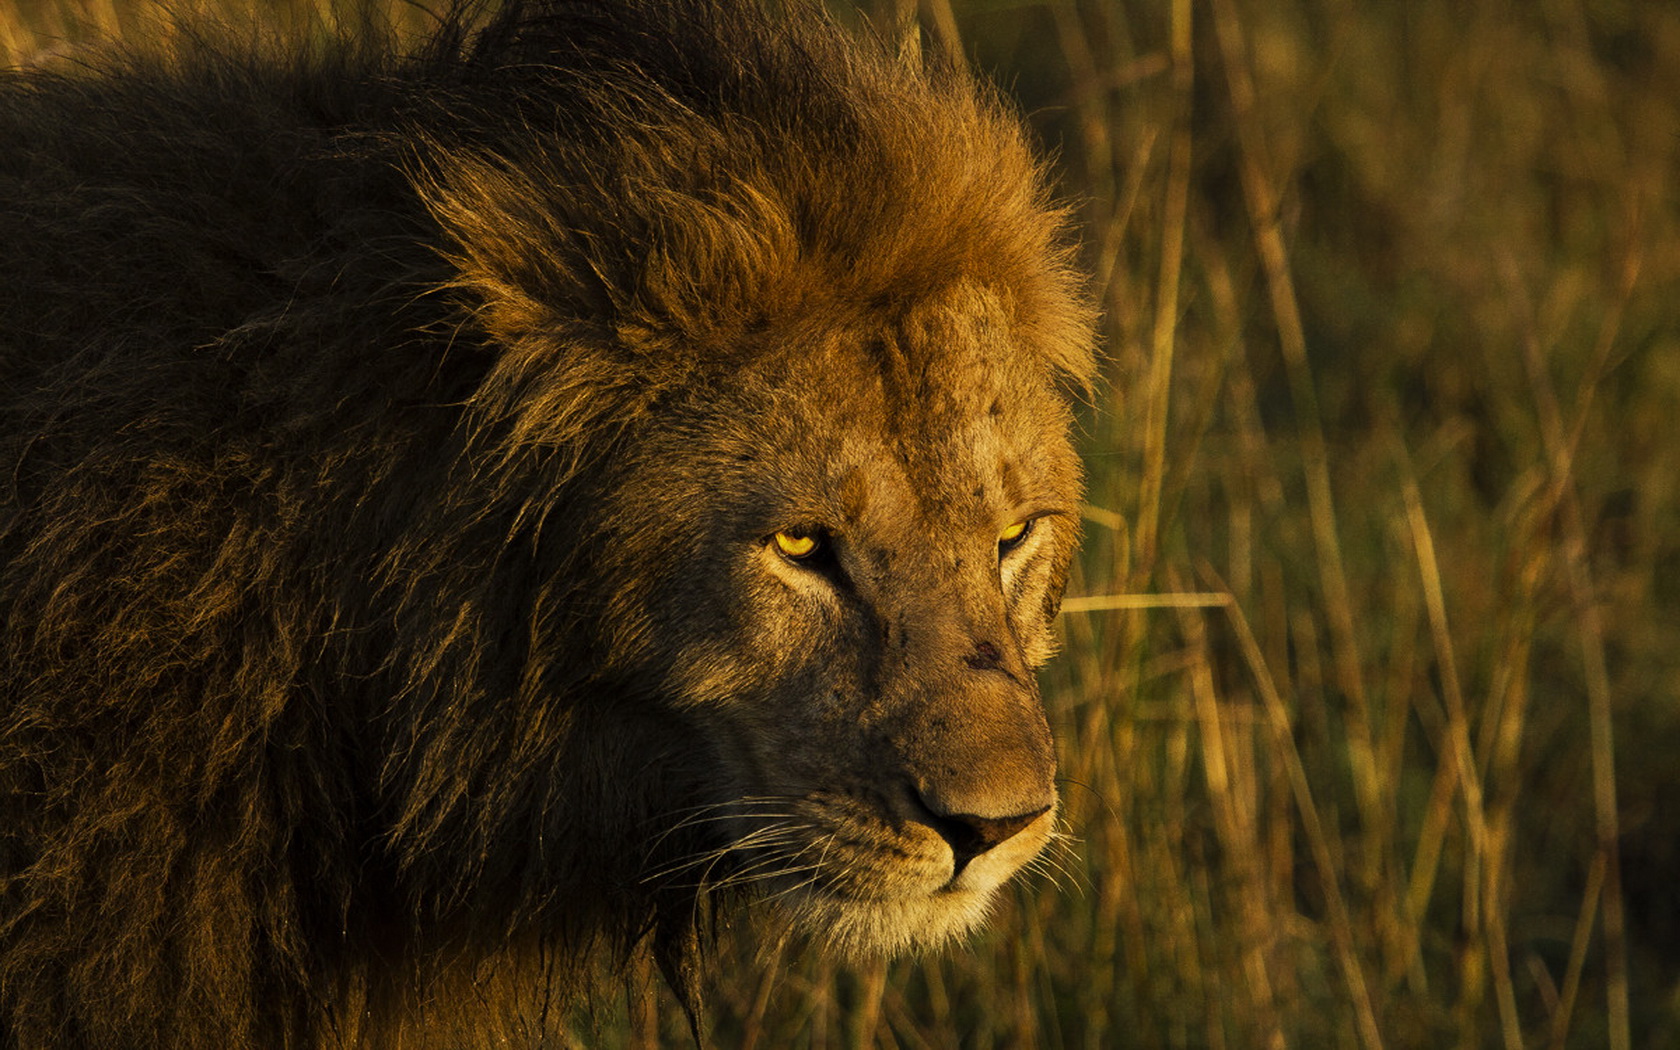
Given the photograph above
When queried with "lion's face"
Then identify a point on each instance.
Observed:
(864, 539)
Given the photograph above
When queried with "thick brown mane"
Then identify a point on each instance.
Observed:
(321, 677)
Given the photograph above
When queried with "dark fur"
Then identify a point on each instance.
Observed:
(322, 718)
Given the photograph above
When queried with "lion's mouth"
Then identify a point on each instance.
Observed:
(867, 885)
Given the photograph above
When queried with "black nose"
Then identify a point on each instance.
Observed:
(970, 835)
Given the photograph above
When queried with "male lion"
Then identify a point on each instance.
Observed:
(464, 511)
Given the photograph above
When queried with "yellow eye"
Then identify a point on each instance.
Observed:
(796, 546)
(1014, 534)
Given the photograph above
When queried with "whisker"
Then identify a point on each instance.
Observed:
(755, 807)
(773, 864)
(1043, 867)
(738, 879)
(746, 806)
(1060, 856)
(699, 820)
(767, 840)
(776, 861)
(816, 871)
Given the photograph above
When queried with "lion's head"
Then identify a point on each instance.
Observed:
(853, 549)
(833, 530)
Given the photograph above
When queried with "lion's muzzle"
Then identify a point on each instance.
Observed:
(976, 751)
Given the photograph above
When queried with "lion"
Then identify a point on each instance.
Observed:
(472, 515)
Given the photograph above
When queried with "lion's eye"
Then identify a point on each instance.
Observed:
(797, 545)
(1011, 537)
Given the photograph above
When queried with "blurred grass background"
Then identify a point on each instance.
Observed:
(1370, 702)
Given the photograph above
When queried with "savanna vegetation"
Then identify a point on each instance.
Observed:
(1370, 700)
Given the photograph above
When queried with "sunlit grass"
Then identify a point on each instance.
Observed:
(1373, 659)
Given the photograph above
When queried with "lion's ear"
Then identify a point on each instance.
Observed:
(910, 43)
(655, 244)
(519, 258)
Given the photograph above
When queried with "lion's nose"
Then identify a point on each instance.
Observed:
(969, 834)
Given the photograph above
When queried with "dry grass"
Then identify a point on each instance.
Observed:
(1373, 680)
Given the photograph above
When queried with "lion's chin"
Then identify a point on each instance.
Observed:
(859, 929)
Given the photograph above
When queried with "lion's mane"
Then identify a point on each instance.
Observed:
(321, 719)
